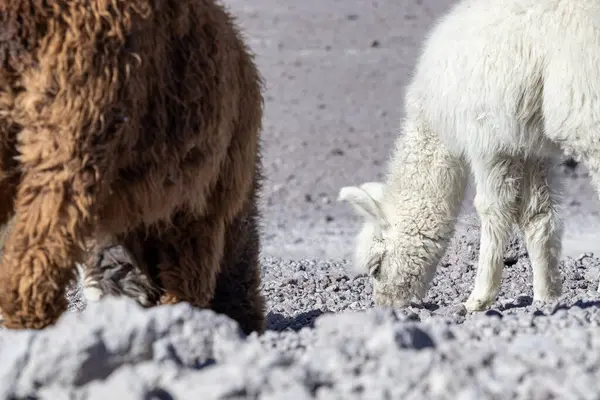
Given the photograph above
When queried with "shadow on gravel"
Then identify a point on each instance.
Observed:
(426, 305)
(278, 322)
(525, 301)
(579, 303)
(158, 394)
(522, 301)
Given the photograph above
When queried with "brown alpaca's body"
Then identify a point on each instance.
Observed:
(134, 122)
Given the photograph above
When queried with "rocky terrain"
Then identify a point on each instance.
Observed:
(335, 73)
(326, 340)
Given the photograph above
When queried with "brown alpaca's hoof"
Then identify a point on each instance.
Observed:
(168, 298)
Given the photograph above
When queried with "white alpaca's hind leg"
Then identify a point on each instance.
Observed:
(542, 228)
(498, 183)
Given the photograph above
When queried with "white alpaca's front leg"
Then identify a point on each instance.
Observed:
(498, 186)
(542, 229)
(488, 278)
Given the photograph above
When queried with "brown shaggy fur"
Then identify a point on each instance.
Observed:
(136, 120)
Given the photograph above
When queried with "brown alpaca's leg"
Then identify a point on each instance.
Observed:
(191, 259)
(183, 258)
(53, 216)
(238, 293)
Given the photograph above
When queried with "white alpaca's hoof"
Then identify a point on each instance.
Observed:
(546, 297)
(421, 293)
(92, 294)
(478, 303)
(547, 293)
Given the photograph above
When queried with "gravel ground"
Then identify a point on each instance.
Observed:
(335, 72)
(326, 340)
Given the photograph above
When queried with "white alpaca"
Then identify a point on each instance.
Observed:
(501, 89)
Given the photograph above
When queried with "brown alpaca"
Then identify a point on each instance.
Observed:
(132, 122)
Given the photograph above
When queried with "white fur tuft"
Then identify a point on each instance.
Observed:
(362, 201)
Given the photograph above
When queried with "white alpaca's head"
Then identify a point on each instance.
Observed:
(370, 250)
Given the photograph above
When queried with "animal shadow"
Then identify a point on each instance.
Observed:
(579, 303)
(277, 322)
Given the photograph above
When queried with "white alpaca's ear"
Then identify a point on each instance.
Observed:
(374, 189)
(365, 200)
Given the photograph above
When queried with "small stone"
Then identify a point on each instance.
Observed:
(459, 310)
(493, 313)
